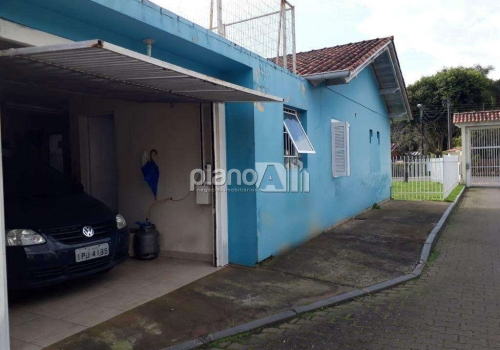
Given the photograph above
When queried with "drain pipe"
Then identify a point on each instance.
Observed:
(149, 43)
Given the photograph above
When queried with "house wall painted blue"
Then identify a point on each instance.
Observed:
(285, 220)
(260, 224)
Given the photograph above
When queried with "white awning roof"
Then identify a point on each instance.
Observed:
(98, 68)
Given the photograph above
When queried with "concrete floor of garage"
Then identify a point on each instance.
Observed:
(376, 246)
(42, 317)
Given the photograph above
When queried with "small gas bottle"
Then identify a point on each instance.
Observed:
(146, 242)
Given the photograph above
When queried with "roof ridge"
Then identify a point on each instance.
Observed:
(347, 44)
(476, 116)
(470, 112)
(339, 58)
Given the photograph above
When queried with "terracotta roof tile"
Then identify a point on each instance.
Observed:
(473, 117)
(337, 58)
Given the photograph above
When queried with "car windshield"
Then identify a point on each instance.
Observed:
(23, 180)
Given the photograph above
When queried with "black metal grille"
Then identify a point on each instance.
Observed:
(121, 254)
(47, 274)
(74, 235)
(89, 265)
(78, 268)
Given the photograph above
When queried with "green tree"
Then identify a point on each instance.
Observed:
(405, 136)
(464, 86)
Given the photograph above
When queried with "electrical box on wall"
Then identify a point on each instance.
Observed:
(203, 194)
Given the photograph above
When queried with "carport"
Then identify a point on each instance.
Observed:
(117, 106)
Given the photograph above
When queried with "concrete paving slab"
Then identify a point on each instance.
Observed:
(453, 305)
(225, 299)
(78, 304)
(374, 247)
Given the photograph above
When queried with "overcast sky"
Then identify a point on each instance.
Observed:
(429, 34)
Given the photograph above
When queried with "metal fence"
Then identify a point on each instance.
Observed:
(484, 161)
(424, 178)
(266, 27)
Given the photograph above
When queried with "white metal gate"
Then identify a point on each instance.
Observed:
(484, 157)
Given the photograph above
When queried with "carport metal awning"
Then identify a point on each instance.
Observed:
(98, 68)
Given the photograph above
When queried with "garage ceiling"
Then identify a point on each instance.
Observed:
(97, 68)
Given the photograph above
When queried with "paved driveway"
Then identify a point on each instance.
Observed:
(454, 305)
(376, 246)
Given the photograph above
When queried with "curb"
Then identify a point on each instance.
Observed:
(334, 300)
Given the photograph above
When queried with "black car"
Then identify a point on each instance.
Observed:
(55, 231)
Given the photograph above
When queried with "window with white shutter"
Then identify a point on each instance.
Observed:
(340, 149)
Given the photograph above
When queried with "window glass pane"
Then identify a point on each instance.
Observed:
(297, 134)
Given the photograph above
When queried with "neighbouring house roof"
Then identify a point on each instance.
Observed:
(340, 64)
(413, 154)
(474, 117)
(453, 150)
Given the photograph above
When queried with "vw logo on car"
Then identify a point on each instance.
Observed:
(88, 231)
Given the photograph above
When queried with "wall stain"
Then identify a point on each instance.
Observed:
(256, 75)
(259, 106)
(285, 249)
(314, 230)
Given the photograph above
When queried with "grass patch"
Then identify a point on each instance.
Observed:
(224, 342)
(266, 262)
(417, 191)
(307, 315)
(432, 257)
(454, 194)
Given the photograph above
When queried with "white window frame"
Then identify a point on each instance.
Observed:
(343, 151)
(292, 154)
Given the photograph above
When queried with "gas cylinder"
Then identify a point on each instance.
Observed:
(146, 243)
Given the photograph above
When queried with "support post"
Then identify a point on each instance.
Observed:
(220, 27)
(279, 39)
(422, 128)
(221, 204)
(450, 131)
(211, 23)
(421, 107)
(283, 14)
(294, 43)
(4, 304)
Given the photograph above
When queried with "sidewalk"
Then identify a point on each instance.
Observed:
(453, 305)
(374, 247)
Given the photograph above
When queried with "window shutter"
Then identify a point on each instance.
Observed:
(340, 149)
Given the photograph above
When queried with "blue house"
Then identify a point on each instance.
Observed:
(254, 160)
(299, 152)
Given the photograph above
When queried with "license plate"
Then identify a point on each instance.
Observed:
(93, 252)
